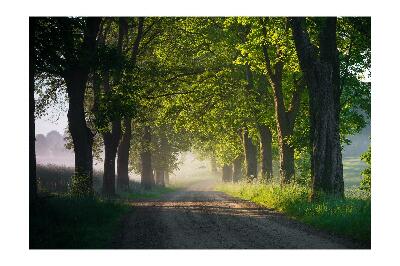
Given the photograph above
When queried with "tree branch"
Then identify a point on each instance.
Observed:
(171, 94)
(135, 47)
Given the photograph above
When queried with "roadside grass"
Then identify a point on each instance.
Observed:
(136, 191)
(55, 179)
(350, 217)
(59, 221)
(64, 222)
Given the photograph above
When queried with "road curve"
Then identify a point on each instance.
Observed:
(200, 218)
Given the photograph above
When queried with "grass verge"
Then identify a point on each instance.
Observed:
(350, 216)
(137, 192)
(63, 222)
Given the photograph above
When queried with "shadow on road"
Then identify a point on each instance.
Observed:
(195, 219)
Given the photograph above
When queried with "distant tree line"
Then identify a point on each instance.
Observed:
(51, 144)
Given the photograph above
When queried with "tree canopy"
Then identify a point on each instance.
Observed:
(229, 88)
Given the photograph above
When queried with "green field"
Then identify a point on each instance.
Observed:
(352, 167)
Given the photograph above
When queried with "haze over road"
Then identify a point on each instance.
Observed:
(199, 217)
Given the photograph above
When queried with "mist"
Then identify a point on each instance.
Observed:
(51, 150)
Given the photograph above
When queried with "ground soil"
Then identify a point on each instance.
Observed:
(198, 217)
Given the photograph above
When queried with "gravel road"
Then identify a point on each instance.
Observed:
(199, 217)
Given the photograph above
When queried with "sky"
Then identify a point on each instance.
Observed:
(55, 120)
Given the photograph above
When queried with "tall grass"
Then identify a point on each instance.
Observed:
(57, 179)
(350, 216)
(58, 220)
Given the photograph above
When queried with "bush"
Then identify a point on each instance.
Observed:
(81, 185)
(303, 169)
(365, 183)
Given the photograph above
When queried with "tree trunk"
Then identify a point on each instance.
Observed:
(266, 152)
(286, 162)
(237, 168)
(123, 156)
(227, 173)
(250, 151)
(75, 77)
(160, 178)
(82, 137)
(111, 140)
(115, 135)
(32, 153)
(147, 178)
(166, 177)
(284, 119)
(322, 77)
(124, 147)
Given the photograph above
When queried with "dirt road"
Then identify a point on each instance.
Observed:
(199, 217)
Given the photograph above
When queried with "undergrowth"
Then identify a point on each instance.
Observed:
(64, 222)
(350, 216)
(61, 221)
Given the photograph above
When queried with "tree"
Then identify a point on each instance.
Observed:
(227, 173)
(265, 124)
(65, 49)
(32, 154)
(266, 151)
(76, 75)
(238, 168)
(229, 88)
(250, 155)
(123, 149)
(322, 78)
(147, 177)
(270, 37)
(107, 94)
(198, 86)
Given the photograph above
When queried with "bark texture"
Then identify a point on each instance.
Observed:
(147, 177)
(250, 152)
(123, 156)
(111, 140)
(81, 135)
(322, 77)
(227, 172)
(237, 168)
(266, 152)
